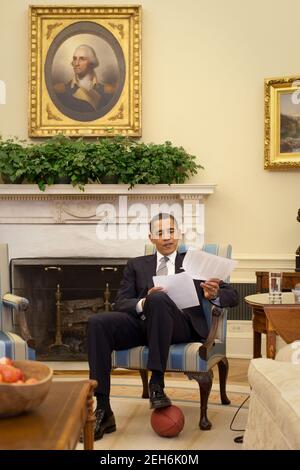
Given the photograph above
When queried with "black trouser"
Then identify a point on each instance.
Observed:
(165, 324)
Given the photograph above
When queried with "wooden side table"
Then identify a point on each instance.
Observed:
(261, 324)
(285, 320)
(57, 423)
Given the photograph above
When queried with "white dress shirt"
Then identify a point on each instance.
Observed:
(171, 270)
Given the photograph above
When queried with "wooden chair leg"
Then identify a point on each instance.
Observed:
(144, 377)
(204, 380)
(223, 373)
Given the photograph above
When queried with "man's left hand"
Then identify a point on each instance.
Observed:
(210, 288)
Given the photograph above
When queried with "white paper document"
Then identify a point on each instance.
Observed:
(180, 288)
(202, 265)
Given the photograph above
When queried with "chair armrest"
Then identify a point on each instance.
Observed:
(217, 316)
(289, 353)
(20, 305)
(14, 301)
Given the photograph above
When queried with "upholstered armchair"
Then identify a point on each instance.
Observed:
(12, 317)
(195, 360)
(274, 411)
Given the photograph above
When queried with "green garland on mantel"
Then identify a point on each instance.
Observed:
(116, 159)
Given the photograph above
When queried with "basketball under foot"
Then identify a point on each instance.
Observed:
(167, 422)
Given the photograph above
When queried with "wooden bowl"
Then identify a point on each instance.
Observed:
(17, 399)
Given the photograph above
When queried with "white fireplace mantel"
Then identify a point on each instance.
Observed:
(32, 191)
(66, 221)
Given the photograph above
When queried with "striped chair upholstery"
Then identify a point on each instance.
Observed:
(193, 359)
(11, 344)
(183, 357)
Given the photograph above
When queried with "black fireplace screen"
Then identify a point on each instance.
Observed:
(63, 293)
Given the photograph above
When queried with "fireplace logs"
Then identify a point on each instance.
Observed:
(75, 314)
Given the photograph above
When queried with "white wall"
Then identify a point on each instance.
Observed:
(203, 69)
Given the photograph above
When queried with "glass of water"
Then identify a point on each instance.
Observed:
(275, 287)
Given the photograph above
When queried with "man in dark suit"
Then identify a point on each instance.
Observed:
(145, 315)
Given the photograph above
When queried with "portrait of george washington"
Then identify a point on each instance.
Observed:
(85, 71)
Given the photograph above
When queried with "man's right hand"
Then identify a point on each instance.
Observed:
(150, 291)
(156, 289)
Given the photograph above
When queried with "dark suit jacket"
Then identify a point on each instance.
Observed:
(137, 280)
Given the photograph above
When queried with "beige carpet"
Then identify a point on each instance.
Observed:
(134, 430)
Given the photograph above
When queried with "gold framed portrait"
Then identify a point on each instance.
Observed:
(85, 71)
(282, 123)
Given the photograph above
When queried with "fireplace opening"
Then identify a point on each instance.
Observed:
(63, 293)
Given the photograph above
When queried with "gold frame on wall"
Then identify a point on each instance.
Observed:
(282, 123)
(115, 34)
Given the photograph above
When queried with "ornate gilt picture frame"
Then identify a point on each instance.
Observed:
(282, 123)
(85, 71)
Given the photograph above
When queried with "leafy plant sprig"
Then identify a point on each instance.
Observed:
(80, 162)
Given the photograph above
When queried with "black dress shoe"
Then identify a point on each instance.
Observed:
(158, 398)
(103, 424)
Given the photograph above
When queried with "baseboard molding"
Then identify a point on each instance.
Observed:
(240, 340)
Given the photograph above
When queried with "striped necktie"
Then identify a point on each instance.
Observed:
(162, 269)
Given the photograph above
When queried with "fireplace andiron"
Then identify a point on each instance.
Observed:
(58, 338)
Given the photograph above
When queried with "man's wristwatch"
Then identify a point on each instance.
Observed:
(216, 296)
